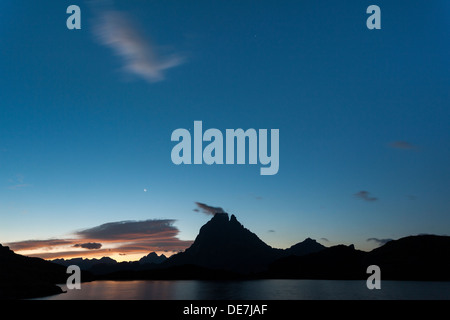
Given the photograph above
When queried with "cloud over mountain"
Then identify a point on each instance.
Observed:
(208, 209)
(379, 241)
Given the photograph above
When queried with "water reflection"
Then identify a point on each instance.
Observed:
(255, 290)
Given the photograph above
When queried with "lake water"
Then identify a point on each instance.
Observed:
(255, 290)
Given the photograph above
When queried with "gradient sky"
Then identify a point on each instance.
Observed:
(86, 118)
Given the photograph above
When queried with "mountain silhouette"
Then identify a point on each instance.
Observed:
(422, 257)
(153, 257)
(85, 264)
(224, 243)
(25, 277)
(419, 258)
(306, 247)
(337, 262)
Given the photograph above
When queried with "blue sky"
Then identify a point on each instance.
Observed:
(86, 117)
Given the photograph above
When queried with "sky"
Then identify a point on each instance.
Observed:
(86, 118)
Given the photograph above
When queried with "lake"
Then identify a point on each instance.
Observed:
(255, 290)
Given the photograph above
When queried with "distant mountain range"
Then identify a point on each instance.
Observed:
(107, 265)
(225, 249)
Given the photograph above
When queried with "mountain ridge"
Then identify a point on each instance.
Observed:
(106, 265)
(224, 243)
(24, 277)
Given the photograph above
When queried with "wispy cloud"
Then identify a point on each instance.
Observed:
(140, 57)
(325, 239)
(208, 209)
(379, 241)
(257, 197)
(19, 186)
(45, 245)
(18, 182)
(365, 195)
(130, 230)
(404, 145)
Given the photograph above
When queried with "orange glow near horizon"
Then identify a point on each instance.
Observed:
(127, 240)
(67, 252)
(94, 254)
(119, 257)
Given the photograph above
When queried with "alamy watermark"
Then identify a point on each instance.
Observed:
(235, 142)
(374, 281)
(374, 20)
(73, 281)
(74, 20)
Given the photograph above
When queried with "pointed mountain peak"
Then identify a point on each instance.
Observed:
(224, 243)
(220, 216)
(223, 220)
(4, 248)
(307, 246)
(152, 257)
(105, 260)
(234, 221)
